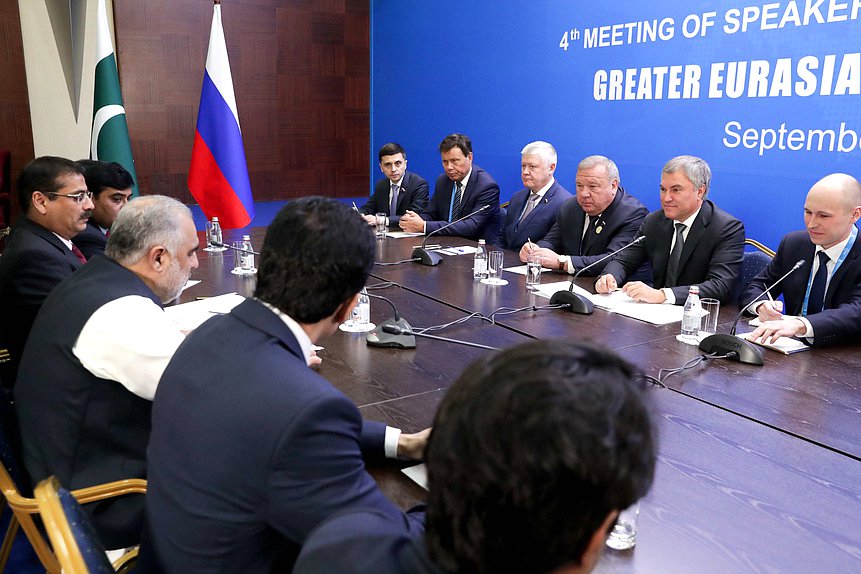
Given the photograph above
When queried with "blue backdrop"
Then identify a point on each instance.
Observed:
(749, 87)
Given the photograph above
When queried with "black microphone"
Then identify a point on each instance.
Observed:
(739, 349)
(395, 332)
(395, 329)
(575, 302)
(426, 257)
(240, 249)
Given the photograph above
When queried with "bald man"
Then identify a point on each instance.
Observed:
(823, 297)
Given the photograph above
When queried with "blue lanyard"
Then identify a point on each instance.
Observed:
(837, 264)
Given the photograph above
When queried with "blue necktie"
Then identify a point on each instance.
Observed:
(817, 290)
(458, 195)
(393, 204)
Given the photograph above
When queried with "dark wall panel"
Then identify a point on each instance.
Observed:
(16, 131)
(301, 77)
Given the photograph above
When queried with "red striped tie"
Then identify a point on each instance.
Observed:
(78, 253)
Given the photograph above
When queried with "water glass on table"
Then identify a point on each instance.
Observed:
(381, 225)
(533, 271)
(709, 321)
(624, 533)
(494, 269)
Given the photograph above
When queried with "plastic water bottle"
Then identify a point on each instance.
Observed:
(215, 231)
(692, 316)
(364, 308)
(479, 265)
(246, 260)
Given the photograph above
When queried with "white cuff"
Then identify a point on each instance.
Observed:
(391, 442)
(671, 297)
(568, 267)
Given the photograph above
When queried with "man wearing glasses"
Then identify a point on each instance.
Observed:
(56, 206)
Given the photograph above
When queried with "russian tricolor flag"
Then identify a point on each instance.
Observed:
(218, 176)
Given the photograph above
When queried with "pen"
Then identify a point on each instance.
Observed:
(529, 241)
(354, 206)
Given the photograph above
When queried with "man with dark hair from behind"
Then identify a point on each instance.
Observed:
(534, 452)
(399, 191)
(250, 448)
(111, 186)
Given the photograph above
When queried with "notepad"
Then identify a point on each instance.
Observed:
(785, 345)
(418, 474)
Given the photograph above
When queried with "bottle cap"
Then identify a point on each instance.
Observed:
(694, 289)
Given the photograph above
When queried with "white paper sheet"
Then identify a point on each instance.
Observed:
(418, 474)
(519, 270)
(402, 234)
(189, 316)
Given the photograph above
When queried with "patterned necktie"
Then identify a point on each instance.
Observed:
(393, 204)
(78, 253)
(816, 301)
(458, 195)
(530, 205)
(675, 256)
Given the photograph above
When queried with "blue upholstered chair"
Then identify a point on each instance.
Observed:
(76, 547)
(752, 264)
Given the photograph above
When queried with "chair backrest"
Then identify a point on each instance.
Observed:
(23, 508)
(752, 264)
(72, 535)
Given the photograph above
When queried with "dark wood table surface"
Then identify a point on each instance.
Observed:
(758, 468)
(814, 395)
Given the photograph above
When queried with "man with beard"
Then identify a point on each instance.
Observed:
(94, 358)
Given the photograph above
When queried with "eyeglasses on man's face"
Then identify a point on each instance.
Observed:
(78, 197)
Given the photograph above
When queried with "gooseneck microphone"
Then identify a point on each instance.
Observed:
(739, 349)
(240, 249)
(425, 257)
(394, 332)
(394, 329)
(575, 302)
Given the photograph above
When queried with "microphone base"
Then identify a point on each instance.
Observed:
(576, 302)
(379, 338)
(721, 344)
(426, 257)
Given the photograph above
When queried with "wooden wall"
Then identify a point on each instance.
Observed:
(16, 133)
(301, 73)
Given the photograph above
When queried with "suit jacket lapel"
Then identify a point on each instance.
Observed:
(402, 192)
(663, 240)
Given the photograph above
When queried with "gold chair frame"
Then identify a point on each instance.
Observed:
(24, 508)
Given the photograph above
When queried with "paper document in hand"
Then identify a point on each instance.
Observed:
(654, 313)
(189, 316)
(785, 345)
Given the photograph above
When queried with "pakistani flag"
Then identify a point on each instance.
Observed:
(110, 139)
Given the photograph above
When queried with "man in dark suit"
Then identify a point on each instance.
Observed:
(461, 190)
(532, 210)
(95, 355)
(572, 444)
(250, 448)
(111, 186)
(690, 241)
(600, 219)
(823, 298)
(399, 191)
(56, 205)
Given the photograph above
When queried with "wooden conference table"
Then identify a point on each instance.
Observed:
(759, 467)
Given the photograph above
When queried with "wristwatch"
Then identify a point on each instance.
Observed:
(563, 260)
